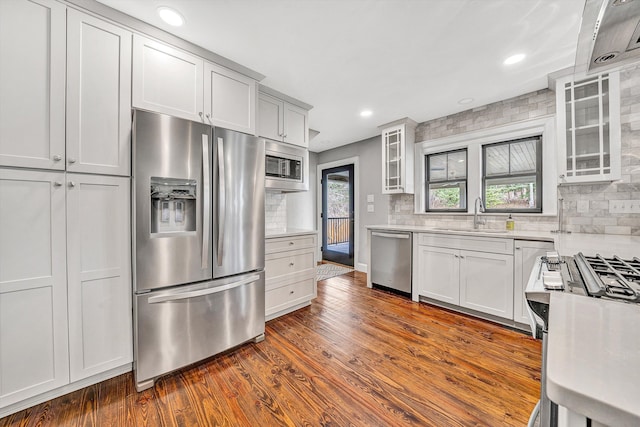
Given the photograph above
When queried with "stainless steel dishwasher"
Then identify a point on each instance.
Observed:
(391, 260)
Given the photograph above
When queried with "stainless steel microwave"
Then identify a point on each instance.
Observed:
(286, 167)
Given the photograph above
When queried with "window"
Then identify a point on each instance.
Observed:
(512, 175)
(447, 181)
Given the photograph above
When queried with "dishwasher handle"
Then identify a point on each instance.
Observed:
(390, 235)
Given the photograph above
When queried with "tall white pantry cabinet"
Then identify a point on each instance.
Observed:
(65, 241)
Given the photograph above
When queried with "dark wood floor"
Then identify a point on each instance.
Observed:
(355, 357)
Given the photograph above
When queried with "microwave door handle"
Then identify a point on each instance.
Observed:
(222, 199)
(206, 202)
(202, 292)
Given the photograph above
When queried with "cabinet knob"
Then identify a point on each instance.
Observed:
(284, 136)
(57, 158)
(518, 248)
(290, 264)
(291, 292)
(72, 184)
(209, 118)
(456, 256)
(461, 257)
(57, 184)
(291, 243)
(201, 116)
(562, 176)
(72, 160)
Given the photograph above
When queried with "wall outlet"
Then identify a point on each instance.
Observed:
(369, 198)
(624, 206)
(583, 206)
(370, 208)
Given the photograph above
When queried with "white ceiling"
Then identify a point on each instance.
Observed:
(399, 58)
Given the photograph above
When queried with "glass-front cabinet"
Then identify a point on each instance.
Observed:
(588, 112)
(397, 156)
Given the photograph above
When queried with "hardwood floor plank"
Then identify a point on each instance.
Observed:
(355, 357)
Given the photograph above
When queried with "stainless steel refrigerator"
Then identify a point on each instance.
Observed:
(198, 242)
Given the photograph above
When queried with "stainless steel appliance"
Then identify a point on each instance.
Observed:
(198, 242)
(592, 276)
(391, 260)
(286, 167)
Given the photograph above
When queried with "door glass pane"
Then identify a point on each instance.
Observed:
(457, 165)
(497, 159)
(438, 167)
(523, 156)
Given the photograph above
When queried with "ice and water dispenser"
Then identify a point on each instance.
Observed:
(173, 205)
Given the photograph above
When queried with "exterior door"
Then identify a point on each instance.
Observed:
(338, 214)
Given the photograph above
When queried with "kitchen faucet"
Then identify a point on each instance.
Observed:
(477, 221)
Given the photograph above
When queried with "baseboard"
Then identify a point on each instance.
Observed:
(61, 391)
(362, 267)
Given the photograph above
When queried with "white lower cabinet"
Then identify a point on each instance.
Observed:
(477, 280)
(486, 283)
(99, 274)
(34, 352)
(290, 272)
(526, 253)
(65, 281)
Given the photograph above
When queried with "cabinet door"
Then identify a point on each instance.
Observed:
(32, 61)
(98, 96)
(229, 99)
(270, 117)
(33, 291)
(526, 253)
(486, 283)
(438, 274)
(167, 80)
(98, 245)
(296, 125)
(392, 160)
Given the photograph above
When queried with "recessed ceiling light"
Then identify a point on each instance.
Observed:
(170, 16)
(464, 101)
(514, 59)
(366, 113)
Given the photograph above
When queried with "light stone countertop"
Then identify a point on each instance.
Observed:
(606, 245)
(287, 232)
(594, 358)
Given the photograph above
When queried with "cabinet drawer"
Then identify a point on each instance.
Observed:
(288, 263)
(289, 295)
(279, 244)
(494, 245)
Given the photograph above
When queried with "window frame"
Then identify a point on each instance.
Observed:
(538, 174)
(466, 180)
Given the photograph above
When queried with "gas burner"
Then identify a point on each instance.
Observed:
(611, 277)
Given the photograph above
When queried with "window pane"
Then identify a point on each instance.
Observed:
(523, 156)
(438, 167)
(450, 195)
(457, 165)
(497, 159)
(511, 193)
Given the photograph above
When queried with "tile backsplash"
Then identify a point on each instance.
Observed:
(275, 210)
(587, 208)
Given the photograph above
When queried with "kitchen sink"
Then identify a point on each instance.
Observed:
(471, 230)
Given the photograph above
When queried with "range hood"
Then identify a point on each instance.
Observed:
(609, 35)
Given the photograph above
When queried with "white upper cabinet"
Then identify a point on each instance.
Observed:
(33, 286)
(398, 140)
(280, 120)
(167, 80)
(588, 114)
(32, 84)
(229, 99)
(99, 277)
(98, 96)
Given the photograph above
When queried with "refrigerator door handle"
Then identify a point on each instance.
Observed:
(222, 199)
(206, 202)
(202, 292)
